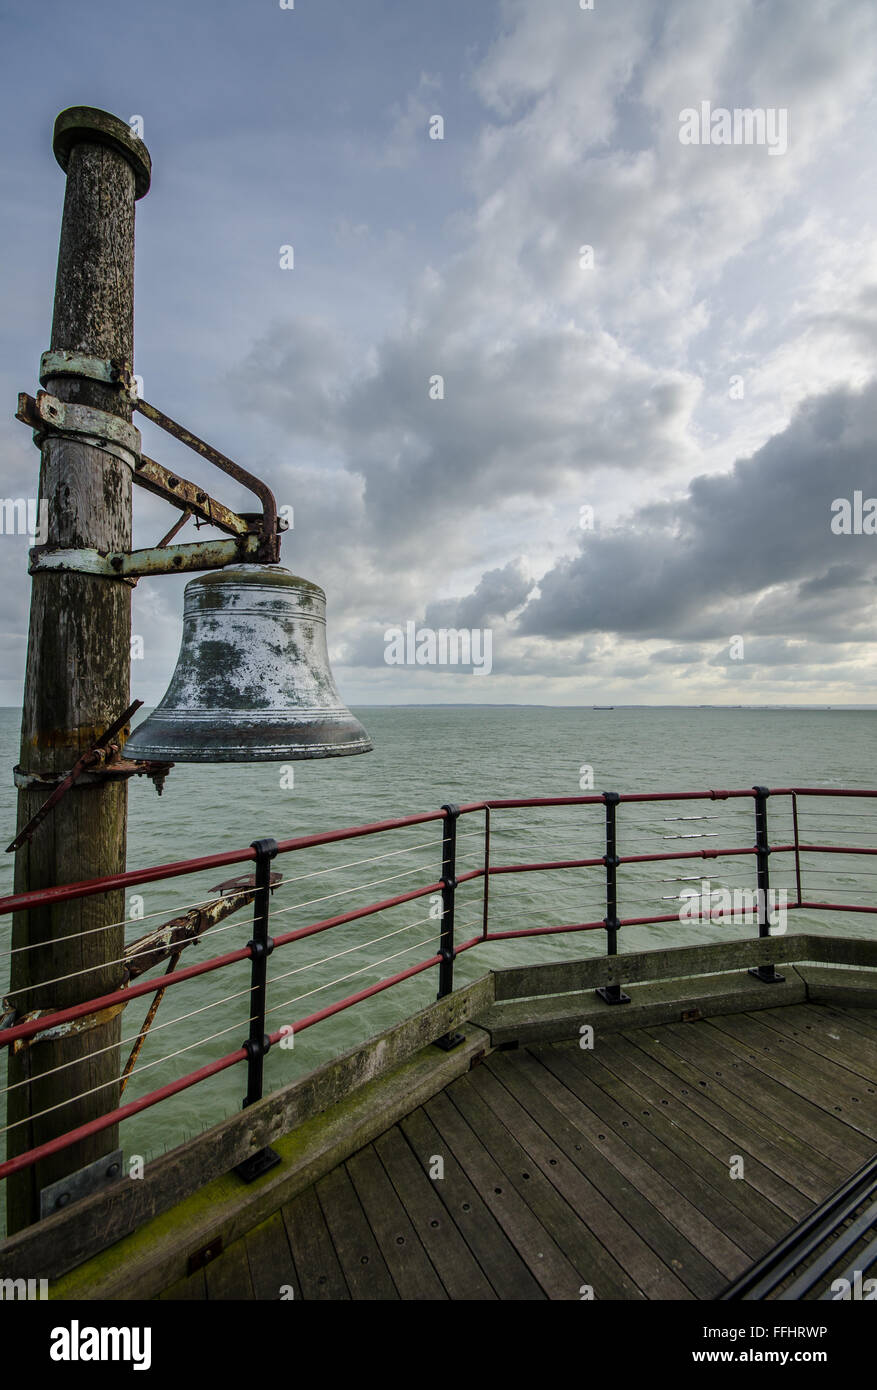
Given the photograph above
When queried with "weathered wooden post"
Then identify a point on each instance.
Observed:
(78, 660)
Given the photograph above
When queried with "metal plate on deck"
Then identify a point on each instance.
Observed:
(95, 1176)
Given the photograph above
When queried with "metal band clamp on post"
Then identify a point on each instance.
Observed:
(115, 769)
(107, 370)
(47, 415)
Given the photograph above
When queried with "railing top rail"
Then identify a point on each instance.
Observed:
(132, 878)
(822, 791)
(64, 892)
(597, 799)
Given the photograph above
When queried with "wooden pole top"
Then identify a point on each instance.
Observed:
(88, 124)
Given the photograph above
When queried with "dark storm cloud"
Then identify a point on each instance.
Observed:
(690, 568)
(499, 592)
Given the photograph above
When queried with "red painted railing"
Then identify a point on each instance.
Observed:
(446, 885)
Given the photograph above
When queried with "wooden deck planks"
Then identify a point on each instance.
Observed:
(409, 1265)
(732, 1102)
(566, 1170)
(585, 1197)
(578, 1243)
(829, 1086)
(770, 1088)
(471, 1204)
(717, 1131)
(365, 1269)
(697, 1174)
(545, 1270)
(316, 1262)
(618, 1177)
(829, 1037)
(452, 1259)
(191, 1288)
(272, 1268)
(228, 1276)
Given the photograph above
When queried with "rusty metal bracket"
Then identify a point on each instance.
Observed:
(181, 932)
(256, 536)
(101, 752)
(186, 495)
(269, 549)
(72, 1029)
(202, 1257)
(161, 559)
(171, 939)
(47, 415)
(114, 769)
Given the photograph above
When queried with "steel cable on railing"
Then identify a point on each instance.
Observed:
(144, 1066)
(869, 834)
(156, 1028)
(350, 950)
(126, 922)
(372, 965)
(837, 873)
(357, 888)
(239, 994)
(191, 907)
(356, 863)
(104, 965)
(149, 950)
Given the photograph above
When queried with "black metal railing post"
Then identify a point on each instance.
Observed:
(766, 973)
(797, 847)
(258, 1043)
(447, 938)
(611, 994)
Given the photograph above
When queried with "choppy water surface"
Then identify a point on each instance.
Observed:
(424, 757)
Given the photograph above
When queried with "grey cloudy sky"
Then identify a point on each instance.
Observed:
(707, 388)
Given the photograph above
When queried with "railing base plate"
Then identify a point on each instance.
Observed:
(769, 975)
(257, 1164)
(612, 994)
(449, 1041)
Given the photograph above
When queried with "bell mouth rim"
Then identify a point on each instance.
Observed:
(236, 754)
(214, 738)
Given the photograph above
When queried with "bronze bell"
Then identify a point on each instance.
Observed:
(252, 682)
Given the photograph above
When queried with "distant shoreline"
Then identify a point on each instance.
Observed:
(477, 704)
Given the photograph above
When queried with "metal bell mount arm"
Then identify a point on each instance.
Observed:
(255, 537)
